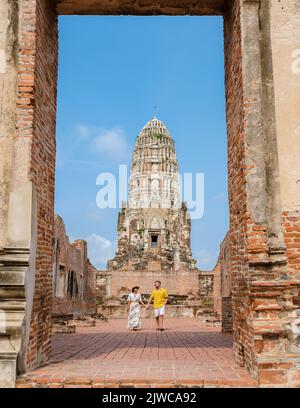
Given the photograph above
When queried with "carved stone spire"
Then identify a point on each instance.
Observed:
(155, 226)
(154, 169)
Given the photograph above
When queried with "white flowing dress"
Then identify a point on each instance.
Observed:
(134, 316)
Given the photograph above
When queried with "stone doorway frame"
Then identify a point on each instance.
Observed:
(265, 341)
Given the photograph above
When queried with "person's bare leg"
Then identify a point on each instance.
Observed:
(157, 322)
(161, 318)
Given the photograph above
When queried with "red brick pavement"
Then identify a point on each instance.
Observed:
(187, 353)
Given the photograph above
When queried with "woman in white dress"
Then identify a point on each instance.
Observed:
(134, 309)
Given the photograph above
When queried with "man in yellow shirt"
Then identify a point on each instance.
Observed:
(159, 296)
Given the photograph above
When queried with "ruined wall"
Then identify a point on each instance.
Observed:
(264, 287)
(89, 296)
(246, 169)
(35, 126)
(285, 31)
(225, 262)
(206, 288)
(222, 285)
(28, 116)
(103, 286)
(217, 289)
(226, 289)
(226, 314)
(74, 283)
(180, 282)
(28, 107)
(237, 179)
(190, 292)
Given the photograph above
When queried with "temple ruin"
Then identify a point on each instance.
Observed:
(154, 228)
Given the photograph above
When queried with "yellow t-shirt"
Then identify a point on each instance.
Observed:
(159, 297)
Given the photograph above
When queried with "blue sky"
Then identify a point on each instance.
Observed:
(112, 72)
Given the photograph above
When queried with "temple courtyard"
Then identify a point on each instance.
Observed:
(187, 353)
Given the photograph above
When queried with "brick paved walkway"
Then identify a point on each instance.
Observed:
(186, 353)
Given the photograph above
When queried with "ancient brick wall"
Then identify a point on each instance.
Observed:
(245, 178)
(102, 286)
(89, 295)
(226, 287)
(35, 138)
(264, 285)
(226, 314)
(189, 291)
(206, 288)
(74, 276)
(222, 280)
(277, 303)
(291, 224)
(217, 295)
(176, 282)
(285, 32)
(236, 178)
(225, 261)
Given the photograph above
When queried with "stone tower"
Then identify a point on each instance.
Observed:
(154, 226)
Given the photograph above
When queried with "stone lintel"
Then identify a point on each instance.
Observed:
(141, 7)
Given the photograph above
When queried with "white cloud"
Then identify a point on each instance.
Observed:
(111, 142)
(100, 250)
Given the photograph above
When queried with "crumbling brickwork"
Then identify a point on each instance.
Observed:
(177, 282)
(74, 277)
(226, 287)
(206, 288)
(222, 286)
(236, 173)
(217, 289)
(225, 265)
(226, 314)
(102, 286)
(35, 139)
(263, 284)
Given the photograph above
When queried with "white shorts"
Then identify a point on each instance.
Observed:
(159, 311)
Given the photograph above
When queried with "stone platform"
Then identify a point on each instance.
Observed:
(115, 311)
(187, 353)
